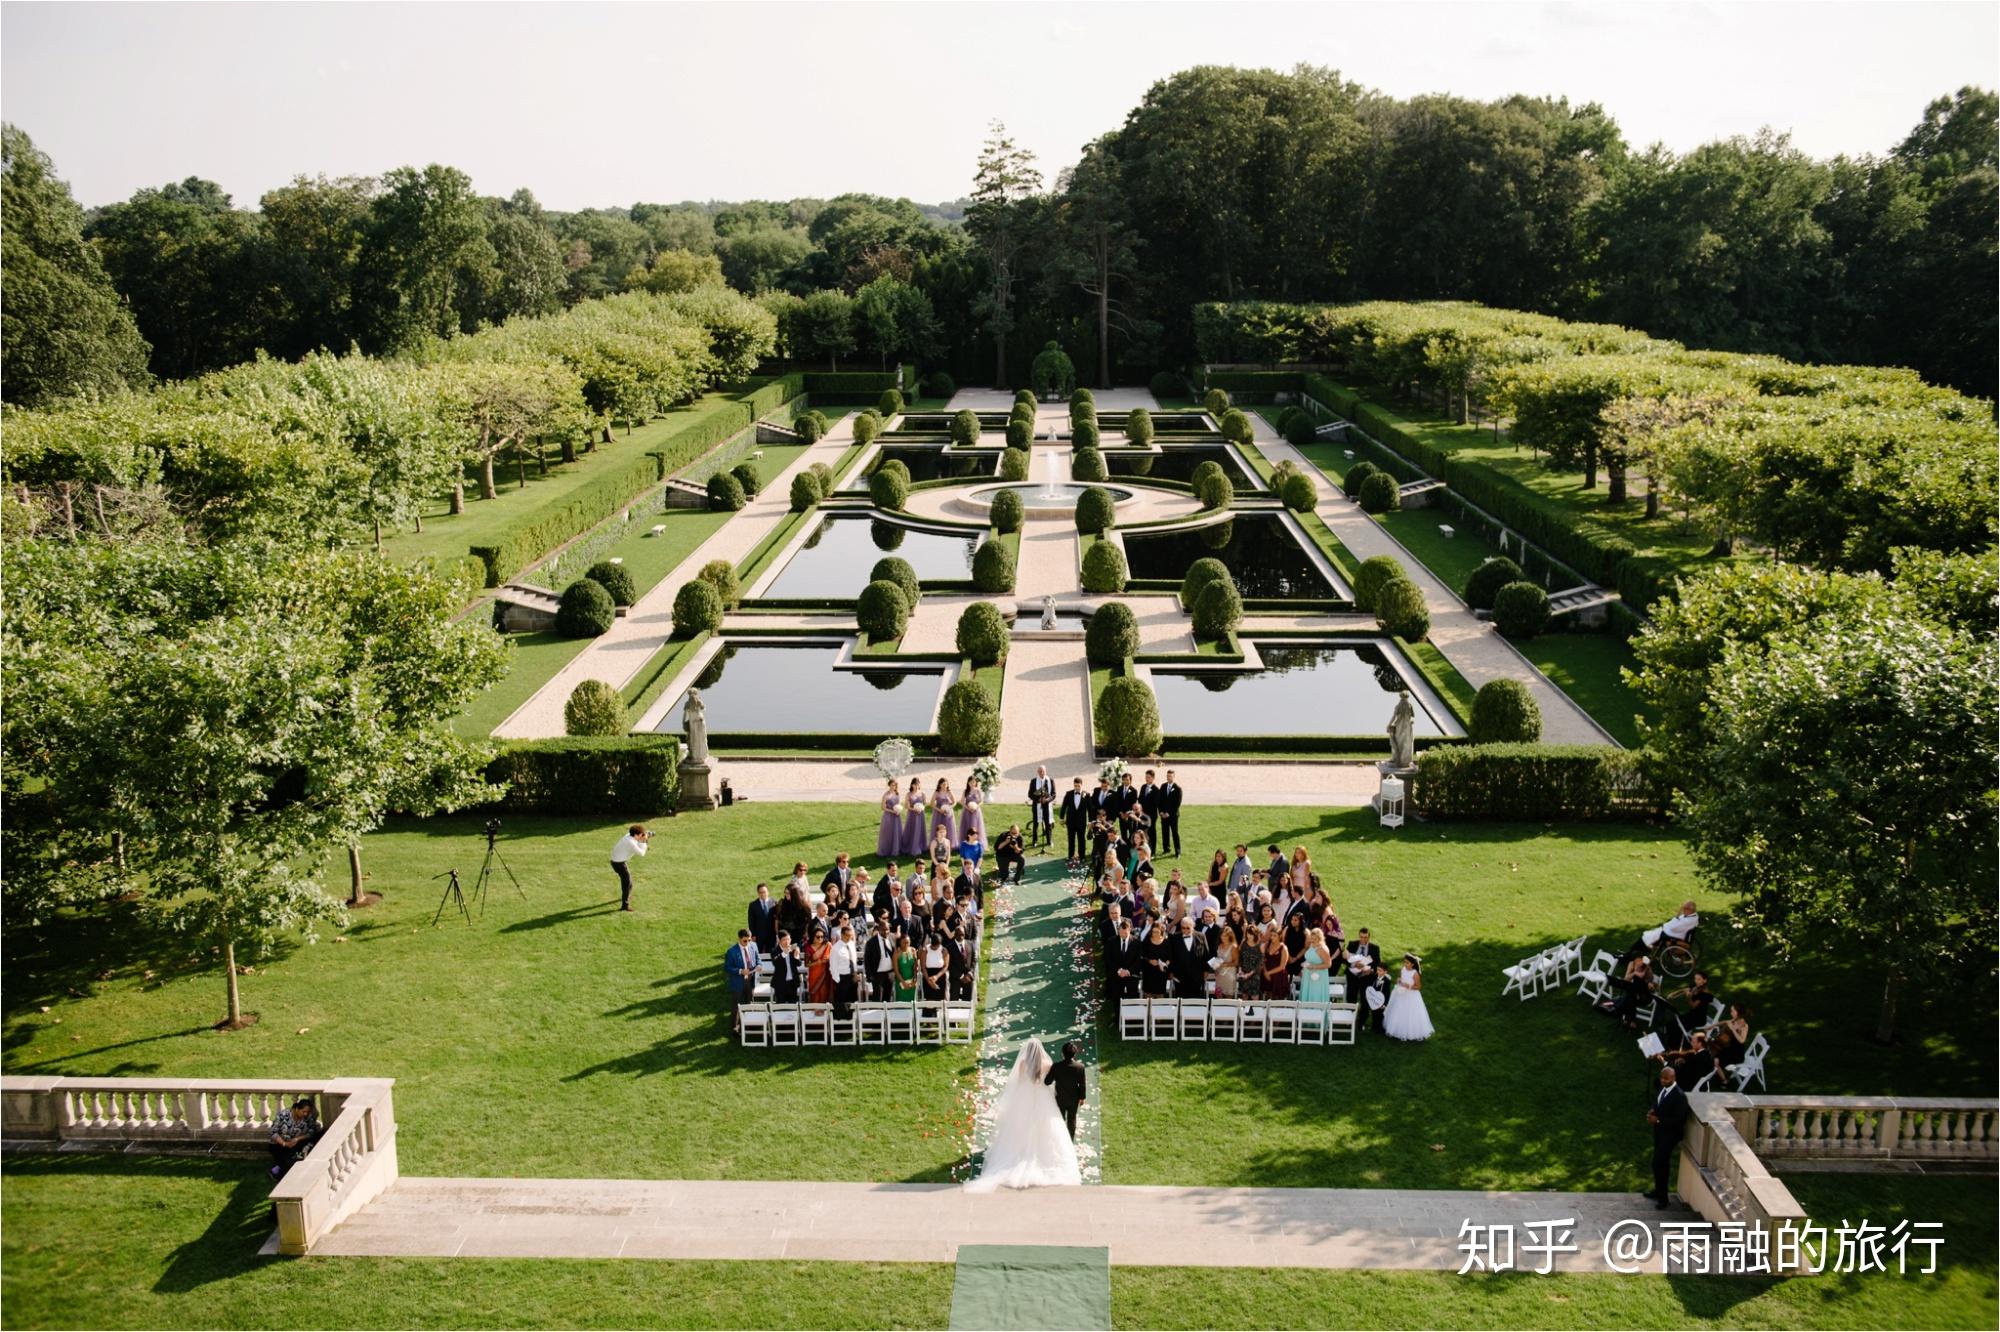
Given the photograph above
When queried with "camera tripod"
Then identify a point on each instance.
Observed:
(454, 895)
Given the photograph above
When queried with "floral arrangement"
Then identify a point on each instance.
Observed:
(893, 757)
(1112, 772)
(986, 772)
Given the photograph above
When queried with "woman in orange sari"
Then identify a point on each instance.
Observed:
(819, 980)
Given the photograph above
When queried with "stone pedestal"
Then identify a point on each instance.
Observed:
(696, 793)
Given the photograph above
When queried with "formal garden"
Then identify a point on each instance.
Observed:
(332, 678)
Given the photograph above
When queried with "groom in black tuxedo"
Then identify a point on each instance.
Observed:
(1076, 811)
(1067, 1078)
(1127, 954)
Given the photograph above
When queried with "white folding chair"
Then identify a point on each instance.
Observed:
(1524, 978)
(902, 1023)
(845, 1030)
(958, 1020)
(1163, 1019)
(1646, 1012)
(816, 1024)
(1225, 1020)
(1752, 1065)
(930, 1021)
(1702, 1085)
(1594, 981)
(1132, 1019)
(756, 1022)
(1193, 1024)
(1342, 1021)
(1284, 1022)
(1256, 1022)
(785, 1024)
(1311, 1026)
(1336, 989)
(871, 1023)
(1570, 959)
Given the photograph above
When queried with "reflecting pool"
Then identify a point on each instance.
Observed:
(936, 464)
(788, 688)
(1177, 465)
(836, 558)
(1259, 549)
(1323, 689)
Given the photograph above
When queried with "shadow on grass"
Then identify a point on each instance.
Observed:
(555, 918)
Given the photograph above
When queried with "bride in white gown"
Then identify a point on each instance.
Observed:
(1030, 1146)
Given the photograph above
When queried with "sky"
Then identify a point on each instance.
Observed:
(593, 105)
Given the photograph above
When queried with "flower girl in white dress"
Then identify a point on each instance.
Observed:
(1406, 1017)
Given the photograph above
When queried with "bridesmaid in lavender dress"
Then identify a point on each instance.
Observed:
(889, 840)
(969, 815)
(915, 836)
(941, 813)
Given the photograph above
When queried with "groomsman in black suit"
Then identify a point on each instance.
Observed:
(764, 920)
(839, 876)
(1041, 808)
(1076, 811)
(878, 963)
(788, 968)
(1149, 808)
(1128, 808)
(1170, 818)
(1124, 962)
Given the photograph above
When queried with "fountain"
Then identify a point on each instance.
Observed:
(1049, 487)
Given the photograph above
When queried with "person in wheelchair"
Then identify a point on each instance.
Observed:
(1677, 930)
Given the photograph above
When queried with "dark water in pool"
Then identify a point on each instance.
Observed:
(1177, 465)
(1259, 549)
(935, 464)
(1321, 690)
(837, 557)
(758, 687)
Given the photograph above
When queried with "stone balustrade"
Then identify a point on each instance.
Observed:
(354, 1161)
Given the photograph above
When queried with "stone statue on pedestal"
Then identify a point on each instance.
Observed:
(1048, 614)
(694, 770)
(1403, 732)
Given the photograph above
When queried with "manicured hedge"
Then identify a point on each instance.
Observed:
(1256, 385)
(849, 388)
(1532, 782)
(625, 777)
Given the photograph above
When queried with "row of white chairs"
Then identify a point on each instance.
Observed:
(870, 1022)
(1551, 969)
(1282, 1022)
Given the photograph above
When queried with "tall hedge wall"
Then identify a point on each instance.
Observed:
(625, 777)
(1532, 782)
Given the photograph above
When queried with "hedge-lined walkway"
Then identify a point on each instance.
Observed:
(634, 637)
(1472, 645)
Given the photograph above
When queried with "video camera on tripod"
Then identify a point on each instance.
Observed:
(454, 895)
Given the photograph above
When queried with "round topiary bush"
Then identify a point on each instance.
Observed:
(1104, 568)
(613, 579)
(1487, 580)
(1008, 511)
(824, 474)
(1052, 375)
(982, 633)
(746, 476)
(1166, 384)
(866, 427)
(1212, 485)
(586, 610)
(1215, 402)
(889, 488)
(1095, 511)
(1081, 396)
(721, 575)
(1235, 426)
(889, 404)
(1025, 398)
(993, 567)
(697, 609)
(965, 428)
(882, 611)
(1380, 494)
(805, 492)
(1368, 579)
(725, 493)
(938, 384)
(1300, 430)
(1083, 434)
(1357, 477)
(896, 465)
(1521, 610)
(1200, 574)
(1087, 465)
(895, 569)
(1112, 634)
(1504, 712)
(1139, 427)
(1128, 717)
(1400, 610)
(968, 720)
(1286, 416)
(594, 708)
(1299, 492)
(810, 425)
(1020, 434)
(1217, 610)
(1014, 464)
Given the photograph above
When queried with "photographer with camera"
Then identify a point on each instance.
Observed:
(633, 843)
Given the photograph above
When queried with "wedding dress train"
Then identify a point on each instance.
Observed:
(1030, 1146)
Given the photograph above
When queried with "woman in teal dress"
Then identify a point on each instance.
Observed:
(1315, 966)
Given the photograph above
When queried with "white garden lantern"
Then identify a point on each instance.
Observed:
(1389, 804)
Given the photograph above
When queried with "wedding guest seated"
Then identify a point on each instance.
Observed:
(1010, 853)
(1691, 1064)
(1695, 1002)
(1678, 928)
(294, 1133)
(1635, 987)
(1729, 1037)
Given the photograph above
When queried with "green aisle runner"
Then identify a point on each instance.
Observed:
(1001, 1287)
(1039, 982)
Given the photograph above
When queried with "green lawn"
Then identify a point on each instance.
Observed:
(1586, 667)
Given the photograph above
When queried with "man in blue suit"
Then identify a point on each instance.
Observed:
(739, 968)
